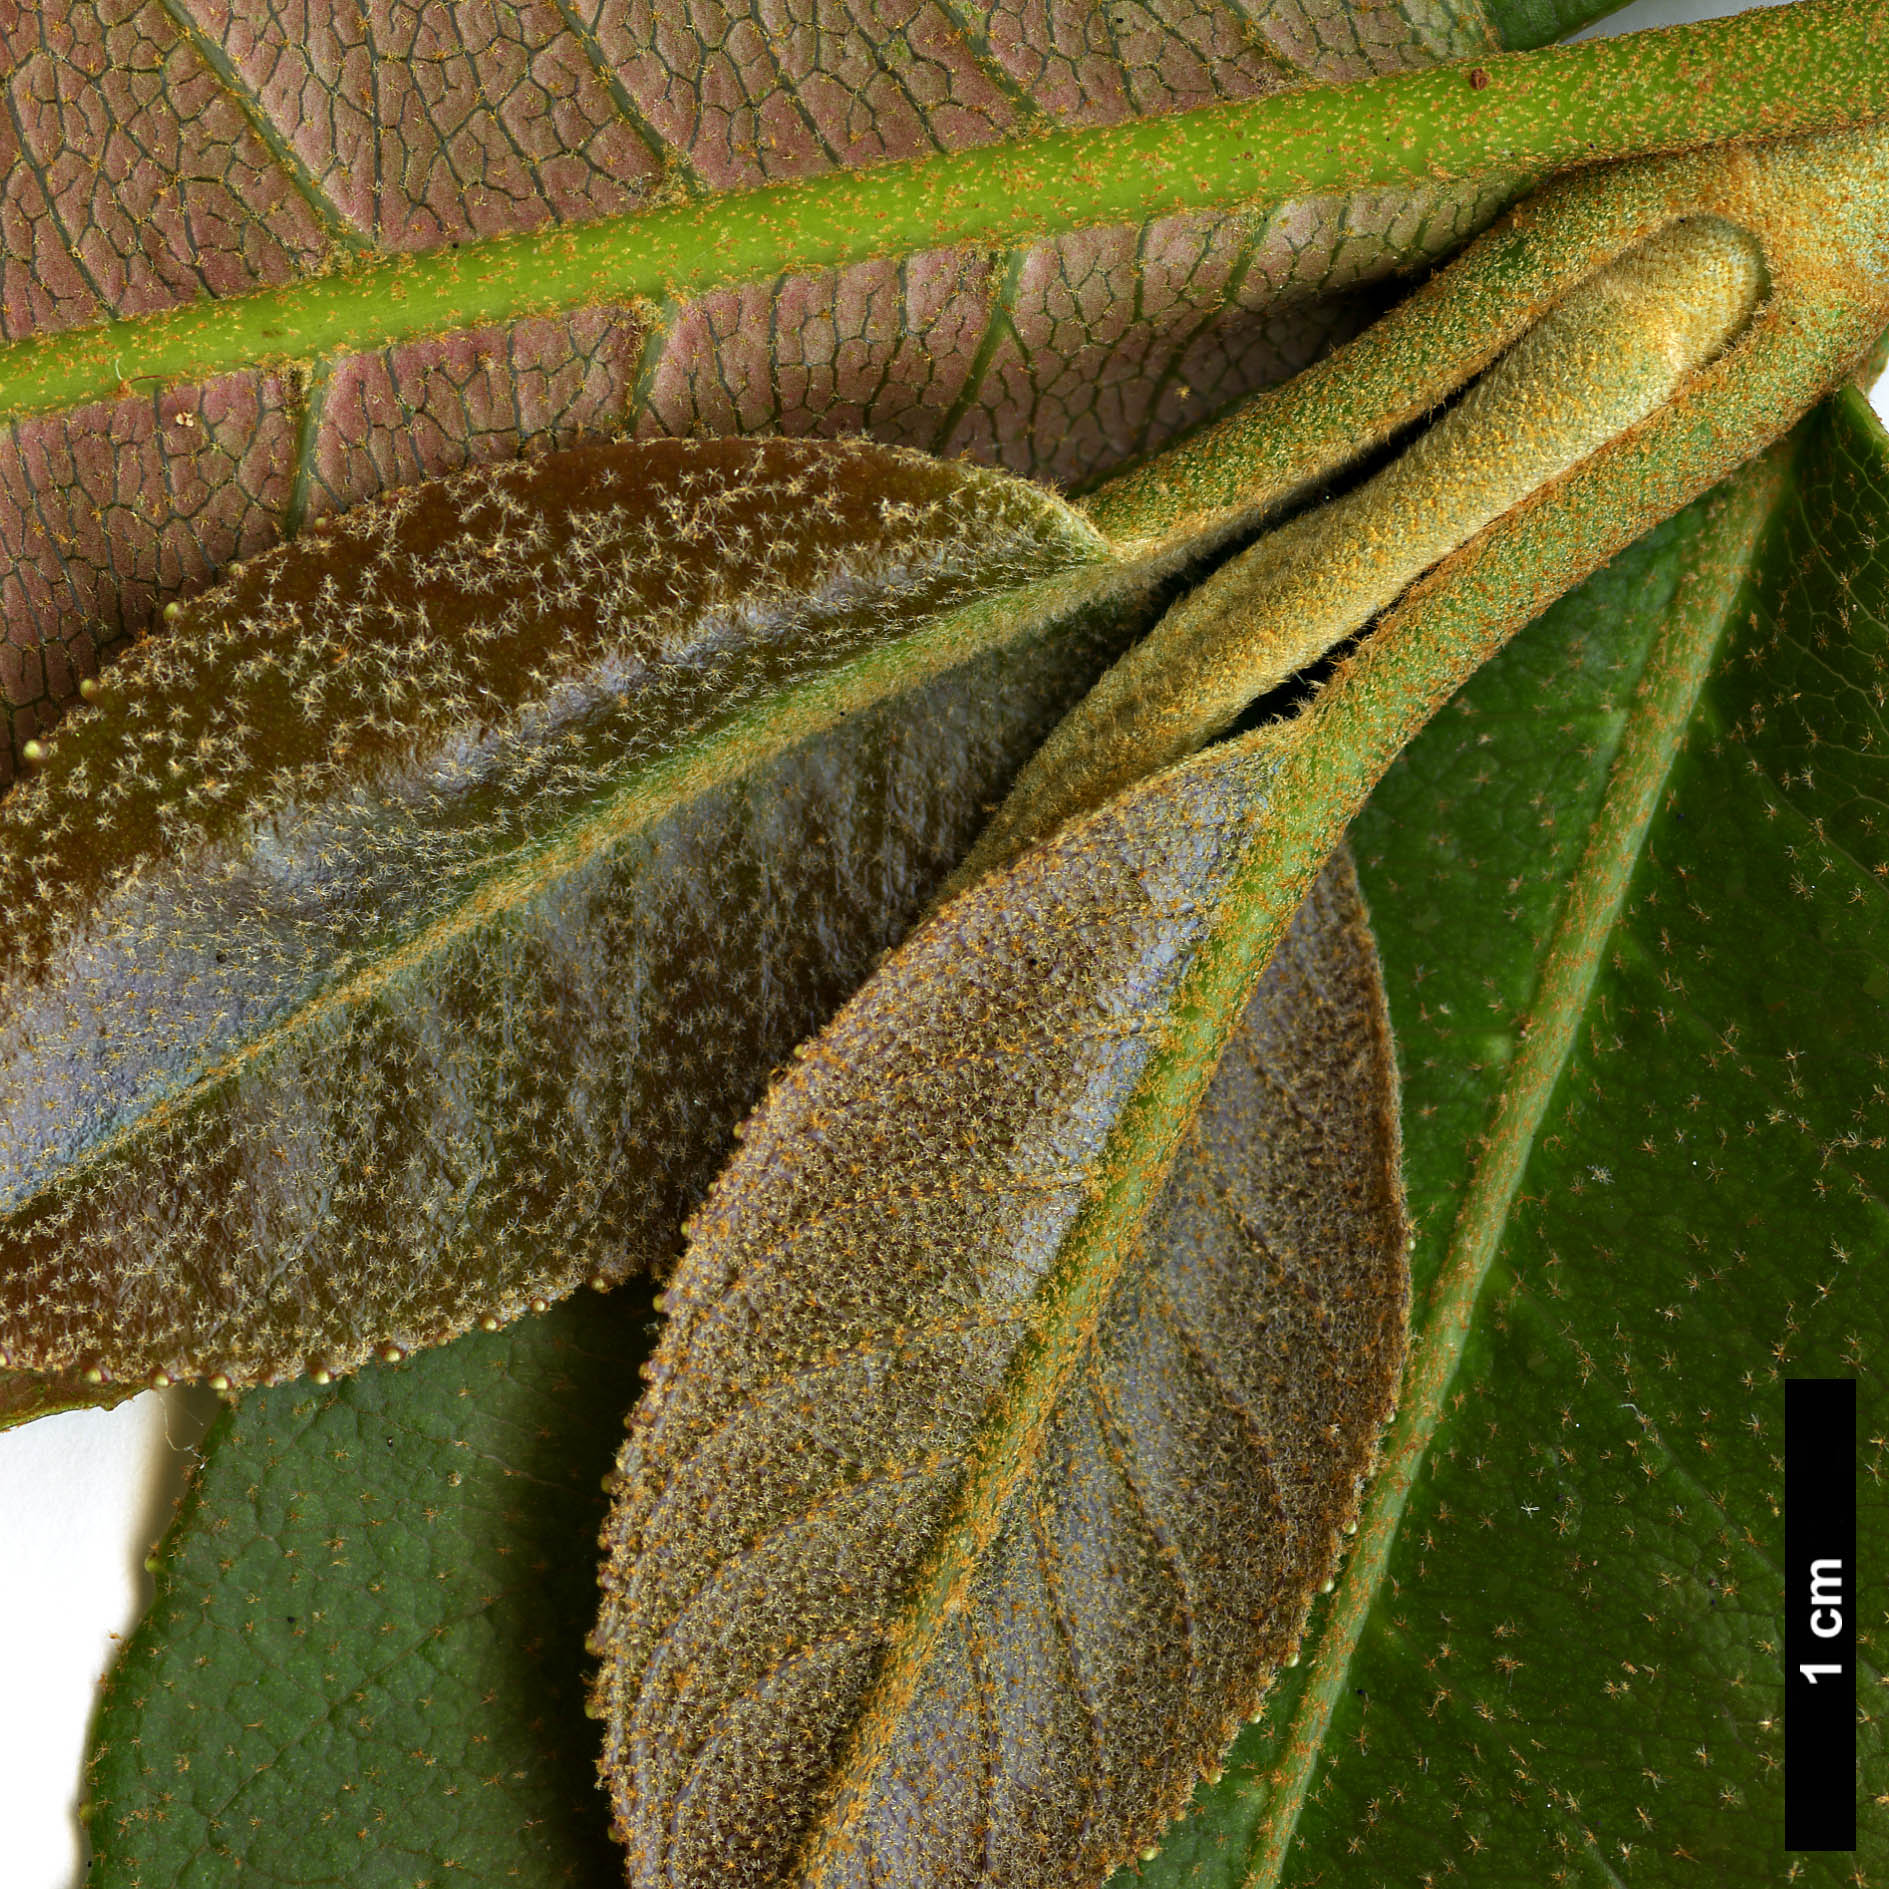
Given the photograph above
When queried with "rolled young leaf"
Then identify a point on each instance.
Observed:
(1601, 305)
(394, 943)
(941, 1556)
(1620, 345)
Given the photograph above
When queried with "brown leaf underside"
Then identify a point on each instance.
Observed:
(397, 941)
(861, 1285)
(155, 151)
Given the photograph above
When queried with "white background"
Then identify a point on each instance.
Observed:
(83, 1497)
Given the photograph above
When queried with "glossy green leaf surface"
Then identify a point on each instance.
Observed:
(1561, 1661)
(364, 1661)
(1524, 23)
(432, 899)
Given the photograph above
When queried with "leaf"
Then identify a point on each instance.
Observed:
(397, 941)
(183, 163)
(1631, 912)
(362, 1661)
(1625, 341)
(26, 1395)
(946, 1550)
(329, 1585)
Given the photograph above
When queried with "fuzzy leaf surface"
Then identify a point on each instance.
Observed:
(1575, 1619)
(945, 1551)
(378, 1591)
(398, 939)
(164, 156)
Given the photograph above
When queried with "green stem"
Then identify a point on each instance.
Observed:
(1816, 65)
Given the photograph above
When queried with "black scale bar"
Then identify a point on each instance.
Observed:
(1820, 1597)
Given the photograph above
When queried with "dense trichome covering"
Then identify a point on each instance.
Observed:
(394, 943)
(1615, 349)
(950, 1550)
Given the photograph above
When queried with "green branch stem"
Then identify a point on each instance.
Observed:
(1816, 65)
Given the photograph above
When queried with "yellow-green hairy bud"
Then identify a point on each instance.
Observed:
(1620, 346)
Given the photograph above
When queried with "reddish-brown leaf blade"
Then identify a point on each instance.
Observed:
(164, 153)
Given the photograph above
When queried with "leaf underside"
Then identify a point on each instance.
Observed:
(157, 155)
(399, 938)
(1469, 851)
(852, 1330)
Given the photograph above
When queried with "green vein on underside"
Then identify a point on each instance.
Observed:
(1675, 673)
(999, 326)
(1813, 66)
(313, 392)
(700, 763)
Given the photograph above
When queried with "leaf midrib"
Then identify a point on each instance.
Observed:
(1540, 111)
(746, 741)
(1673, 677)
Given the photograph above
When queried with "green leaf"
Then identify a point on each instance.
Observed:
(1522, 24)
(397, 940)
(953, 1544)
(362, 1663)
(1630, 900)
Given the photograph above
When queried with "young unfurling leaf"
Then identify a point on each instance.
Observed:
(950, 1549)
(1618, 347)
